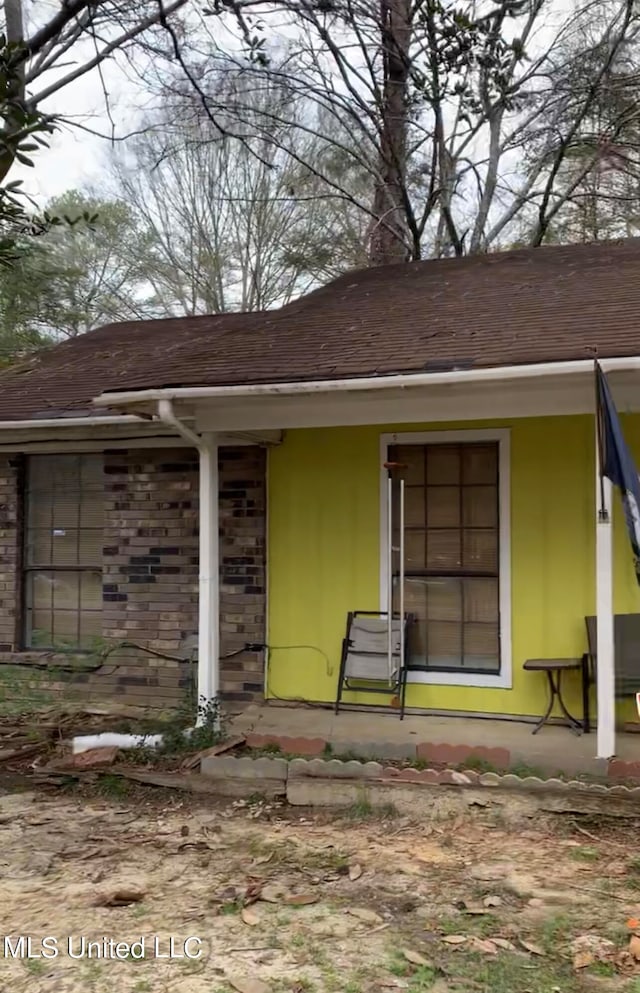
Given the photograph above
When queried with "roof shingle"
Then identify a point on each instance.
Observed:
(546, 304)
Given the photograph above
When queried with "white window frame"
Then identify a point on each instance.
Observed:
(503, 679)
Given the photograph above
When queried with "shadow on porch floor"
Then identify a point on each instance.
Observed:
(377, 734)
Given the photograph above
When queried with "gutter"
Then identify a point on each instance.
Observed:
(91, 420)
(402, 381)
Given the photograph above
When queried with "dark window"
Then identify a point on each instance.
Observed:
(63, 551)
(452, 556)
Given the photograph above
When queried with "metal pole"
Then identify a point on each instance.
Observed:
(389, 574)
(401, 575)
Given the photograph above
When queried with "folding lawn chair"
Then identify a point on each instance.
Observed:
(375, 658)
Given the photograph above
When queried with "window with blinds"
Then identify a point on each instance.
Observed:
(63, 551)
(451, 554)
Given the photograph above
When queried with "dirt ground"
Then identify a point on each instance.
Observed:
(284, 903)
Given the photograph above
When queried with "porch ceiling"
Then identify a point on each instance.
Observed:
(535, 397)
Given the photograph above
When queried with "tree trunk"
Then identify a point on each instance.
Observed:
(389, 238)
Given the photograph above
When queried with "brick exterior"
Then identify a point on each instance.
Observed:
(10, 551)
(150, 573)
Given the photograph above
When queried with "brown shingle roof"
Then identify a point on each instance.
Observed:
(532, 305)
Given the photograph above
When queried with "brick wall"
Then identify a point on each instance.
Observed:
(242, 568)
(150, 572)
(10, 549)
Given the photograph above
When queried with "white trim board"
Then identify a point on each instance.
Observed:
(417, 405)
(504, 680)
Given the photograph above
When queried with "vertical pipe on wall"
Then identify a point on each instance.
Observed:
(389, 574)
(605, 668)
(401, 575)
(208, 585)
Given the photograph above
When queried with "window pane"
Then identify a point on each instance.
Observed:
(443, 550)
(480, 600)
(65, 473)
(92, 474)
(91, 591)
(443, 643)
(480, 641)
(444, 600)
(413, 506)
(443, 506)
(480, 506)
(92, 509)
(38, 549)
(443, 464)
(480, 550)
(414, 550)
(412, 457)
(90, 547)
(64, 530)
(66, 590)
(65, 509)
(39, 510)
(480, 463)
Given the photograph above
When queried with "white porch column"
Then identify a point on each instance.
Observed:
(605, 675)
(208, 590)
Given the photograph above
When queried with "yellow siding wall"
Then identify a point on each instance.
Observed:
(324, 555)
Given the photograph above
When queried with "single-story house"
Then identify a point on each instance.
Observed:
(220, 481)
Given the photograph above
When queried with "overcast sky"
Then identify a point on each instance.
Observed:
(75, 157)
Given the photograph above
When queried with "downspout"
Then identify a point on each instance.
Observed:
(208, 583)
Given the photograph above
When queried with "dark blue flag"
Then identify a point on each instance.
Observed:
(616, 462)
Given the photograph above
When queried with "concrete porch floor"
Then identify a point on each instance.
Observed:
(376, 734)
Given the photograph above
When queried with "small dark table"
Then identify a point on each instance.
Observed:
(554, 669)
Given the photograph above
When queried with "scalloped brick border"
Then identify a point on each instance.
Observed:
(440, 753)
(253, 771)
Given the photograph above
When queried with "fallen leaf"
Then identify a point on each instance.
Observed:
(274, 893)
(634, 946)
(415, 957)
(530, 947)
(263, 859)
(249, 917)
(300, 899)
(484, 945)
(508, 946)
(120, 893)
(625, 962)
(368, 916)
(590, 948)
(582, 959)
(253, 891)
(355, 871)
(454, 939)
(245, 985)
(492, 901)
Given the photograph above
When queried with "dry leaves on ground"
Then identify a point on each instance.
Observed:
(415, 957)
(242, 984)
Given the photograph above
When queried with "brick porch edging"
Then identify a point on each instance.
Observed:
(426, 751)
(242, 776)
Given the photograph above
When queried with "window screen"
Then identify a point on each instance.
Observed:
(451, 553)
(63, 551)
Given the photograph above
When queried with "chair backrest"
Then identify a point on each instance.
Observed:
(626, 640)
(367, 646)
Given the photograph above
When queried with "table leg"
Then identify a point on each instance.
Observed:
(552, 694)
(555, 692)
(586, 680)
(574, 724)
